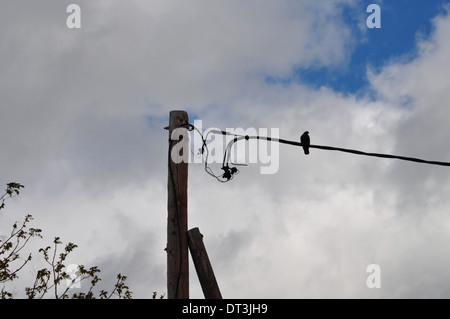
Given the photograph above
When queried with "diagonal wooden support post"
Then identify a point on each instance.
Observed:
(203, 265)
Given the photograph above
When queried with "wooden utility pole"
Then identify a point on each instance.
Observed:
(203, 265)
(177, 220)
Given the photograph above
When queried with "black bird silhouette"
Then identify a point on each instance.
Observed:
(305, 140)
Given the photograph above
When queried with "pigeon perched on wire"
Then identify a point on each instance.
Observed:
(305, 140)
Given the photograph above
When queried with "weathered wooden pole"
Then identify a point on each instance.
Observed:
(203, 265)
(177, 219)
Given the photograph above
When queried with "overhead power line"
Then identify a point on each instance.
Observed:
(229, 172)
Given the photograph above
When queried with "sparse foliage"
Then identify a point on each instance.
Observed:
(49, 279)
(12, 189)
(155, 295)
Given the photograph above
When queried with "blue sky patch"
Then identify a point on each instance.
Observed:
(402, 22)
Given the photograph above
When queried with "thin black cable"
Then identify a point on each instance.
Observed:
(230, 172)
(332, 148)
(205, 153)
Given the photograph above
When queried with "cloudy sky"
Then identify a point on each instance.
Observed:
(83, 111)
